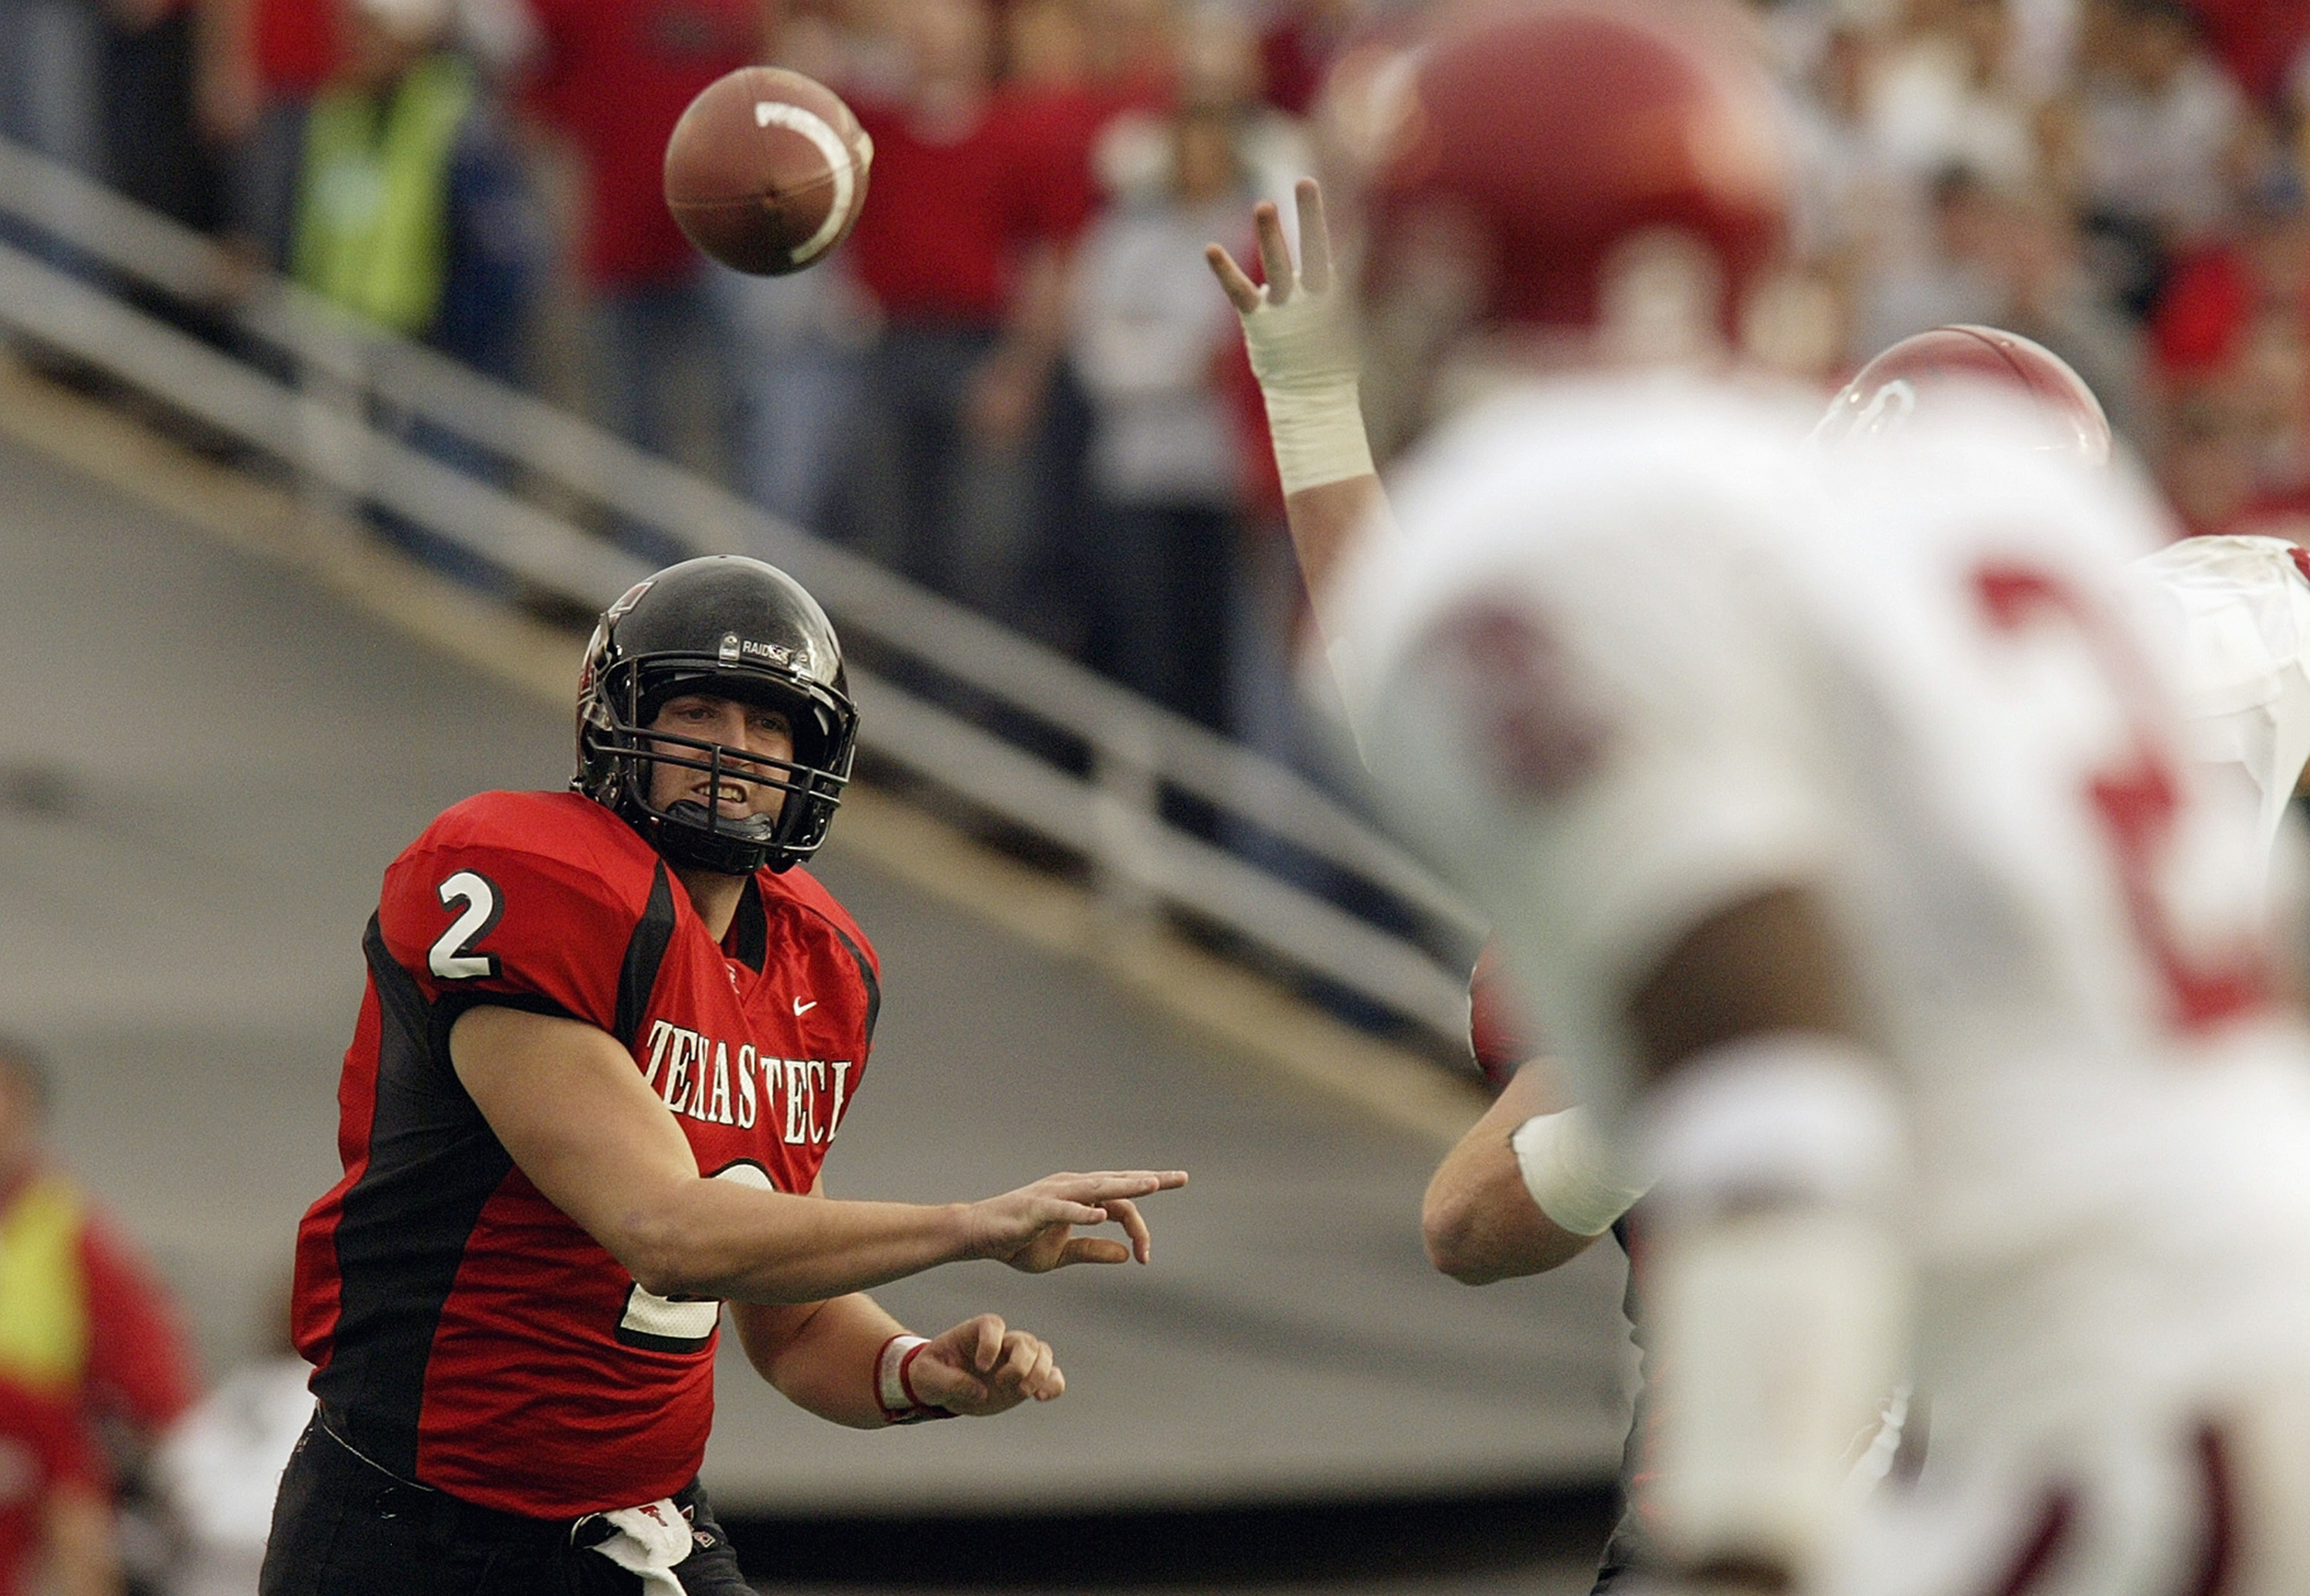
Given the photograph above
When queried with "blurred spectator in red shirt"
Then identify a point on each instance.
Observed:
(2230, 338)
(56, 1531)
(963, 252)
(1076, 72)
(83, 1323)
(615, 75)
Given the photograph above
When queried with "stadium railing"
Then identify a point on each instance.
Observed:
(309, 387)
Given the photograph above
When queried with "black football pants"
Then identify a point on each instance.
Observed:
(343, 1527)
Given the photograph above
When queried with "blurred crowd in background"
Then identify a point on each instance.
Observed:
(1016, 384)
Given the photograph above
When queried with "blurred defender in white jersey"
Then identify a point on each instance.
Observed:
(1858, 875)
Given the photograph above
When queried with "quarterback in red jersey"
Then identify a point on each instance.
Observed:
(608, 1036)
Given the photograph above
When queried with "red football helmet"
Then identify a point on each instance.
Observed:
(1919, 371)
(1546, 136)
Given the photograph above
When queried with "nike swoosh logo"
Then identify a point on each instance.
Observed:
(802, 1008)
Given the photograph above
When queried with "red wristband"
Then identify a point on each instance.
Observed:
(894, 1385)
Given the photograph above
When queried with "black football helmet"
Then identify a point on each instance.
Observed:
(737, 629)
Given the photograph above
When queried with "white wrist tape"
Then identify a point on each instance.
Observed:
(889, 1383)
(1571, 1173)
(1318, 434)
(1776, 1290)
(1303, 351)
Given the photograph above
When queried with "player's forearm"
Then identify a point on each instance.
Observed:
(825, 1363)
(1326, 524)
(1478, 1219)
(711, 1238)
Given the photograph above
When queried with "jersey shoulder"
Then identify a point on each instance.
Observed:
(798, 886)
(1583, 490)
(563, 835)
(535, 894)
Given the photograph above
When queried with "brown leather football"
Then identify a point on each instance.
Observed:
(767, 170)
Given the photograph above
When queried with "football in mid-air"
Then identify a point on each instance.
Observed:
(767, 170)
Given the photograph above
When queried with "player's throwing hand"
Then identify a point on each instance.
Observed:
(982, 1367)
(1033, 1229)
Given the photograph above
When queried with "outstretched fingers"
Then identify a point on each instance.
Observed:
(1315, 236)
(1101, 1184)
(1242, 293)
(1274, 252)
(1092, 1249)
(1126, 1213)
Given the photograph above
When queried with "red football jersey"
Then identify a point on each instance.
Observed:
(466, 1334)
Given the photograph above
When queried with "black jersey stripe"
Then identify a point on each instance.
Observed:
(865, 974)
(753, 927)
(645, 952)
(401, 1234)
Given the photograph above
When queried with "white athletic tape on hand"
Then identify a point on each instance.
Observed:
(1572, 1173)
(1303, 351)
(813, 127)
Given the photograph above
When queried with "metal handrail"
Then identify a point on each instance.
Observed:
(1136, 745)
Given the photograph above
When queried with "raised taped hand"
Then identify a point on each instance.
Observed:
(1297, 327)
(1299, 330)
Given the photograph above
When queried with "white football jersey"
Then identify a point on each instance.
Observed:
(1634, 653)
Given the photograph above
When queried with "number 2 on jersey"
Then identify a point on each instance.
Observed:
(452, 957)
(682, 1323)
(2136, 803)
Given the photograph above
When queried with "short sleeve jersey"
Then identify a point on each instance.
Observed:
(466, 1334)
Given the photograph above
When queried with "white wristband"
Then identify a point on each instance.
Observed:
(888, 1383)
(1571, 1174)
(1318, 434)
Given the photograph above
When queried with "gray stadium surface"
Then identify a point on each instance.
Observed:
(206, 764)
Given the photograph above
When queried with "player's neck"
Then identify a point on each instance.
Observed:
(714, 895)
